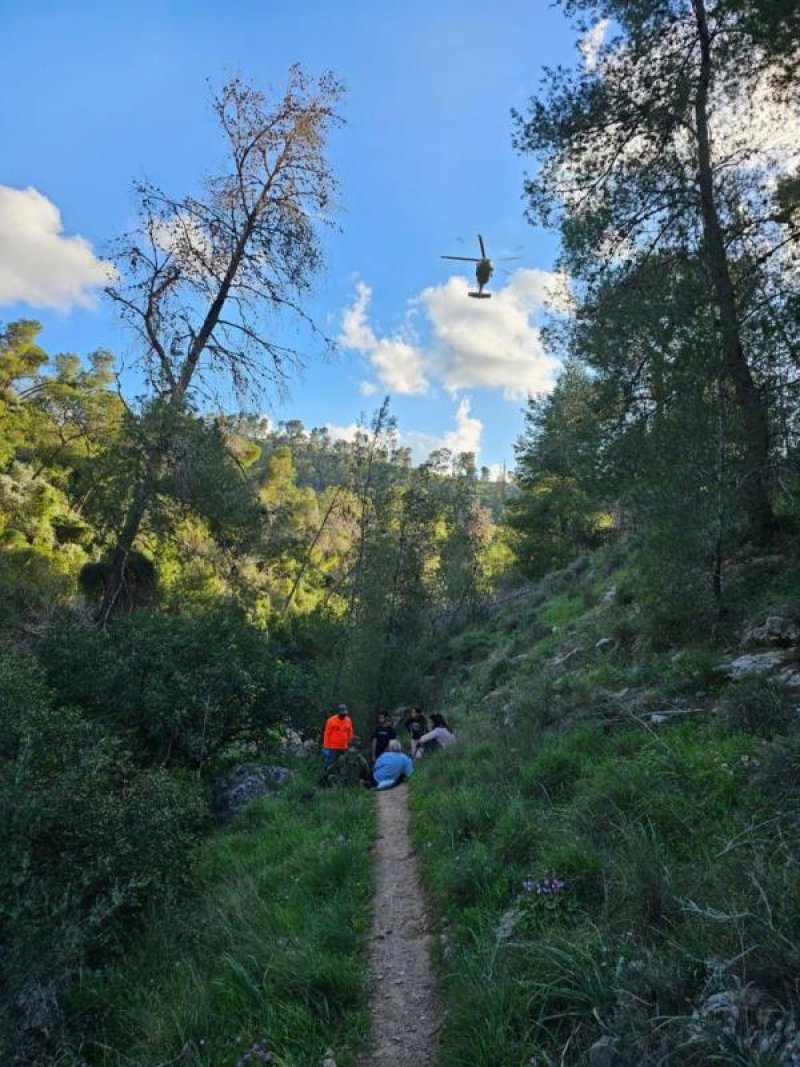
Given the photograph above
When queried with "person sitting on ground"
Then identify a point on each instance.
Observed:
(439, 736)
(392, 767)
(337, 735)
(349, 769)
(417, 725)
(383, 734)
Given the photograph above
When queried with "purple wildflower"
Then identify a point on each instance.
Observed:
(544, 887)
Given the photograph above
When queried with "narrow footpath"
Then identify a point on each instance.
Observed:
(406, 1016)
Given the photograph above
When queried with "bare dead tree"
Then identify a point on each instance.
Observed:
(201, 274)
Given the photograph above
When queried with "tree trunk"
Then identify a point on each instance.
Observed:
(116, 597)
(754, 412)
(116, 585)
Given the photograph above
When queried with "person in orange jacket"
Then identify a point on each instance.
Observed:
(337, 735)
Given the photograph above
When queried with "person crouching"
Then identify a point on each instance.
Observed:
(348, 769)
(392, 767)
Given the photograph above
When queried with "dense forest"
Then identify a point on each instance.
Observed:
(181, 584)
(275, 572)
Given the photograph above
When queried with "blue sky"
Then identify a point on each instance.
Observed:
(98, 94)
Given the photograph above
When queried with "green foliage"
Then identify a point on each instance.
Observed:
(20, 361)
(761, 706)
(55, 421)
(675, 840)
(180, 688)
(203, 476)
(88, 839)
(558, 510)
(672, 412)
(42, 545)
(269, 945)
(672, 861)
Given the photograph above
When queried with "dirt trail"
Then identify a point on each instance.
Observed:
(406, 1016)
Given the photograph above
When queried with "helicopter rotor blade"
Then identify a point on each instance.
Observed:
(483, 250)
(506, 259)
(465, 259)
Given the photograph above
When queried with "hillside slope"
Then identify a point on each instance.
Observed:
(612, 849)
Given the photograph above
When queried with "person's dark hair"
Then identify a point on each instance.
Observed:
(439, 720)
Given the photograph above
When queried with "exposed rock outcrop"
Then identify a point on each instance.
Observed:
(241, 785)
(782, 631)
(753, 662)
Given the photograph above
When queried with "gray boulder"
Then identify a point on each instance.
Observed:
(241, 785)
(777, 630)
(295, 743)
(753, 662)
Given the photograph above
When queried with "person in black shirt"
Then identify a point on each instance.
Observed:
(383, 734)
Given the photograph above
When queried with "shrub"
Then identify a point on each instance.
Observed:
(269, 945)
(181, 687)
(777, 771)
(87, 841)
(760, 706)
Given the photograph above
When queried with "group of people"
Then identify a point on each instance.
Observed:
(344, 763)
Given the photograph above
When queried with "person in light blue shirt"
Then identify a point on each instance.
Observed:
(392, 767)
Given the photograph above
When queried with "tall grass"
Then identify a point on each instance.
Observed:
(680, 880)
(269, 948)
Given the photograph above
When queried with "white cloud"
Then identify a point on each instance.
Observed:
(356, 332)
(367, 388)
(420, 443)
(38, 264)
(397, 363)
(497, 344)
(466, 437)
(494, 344)
(592, 41)
(344, 433)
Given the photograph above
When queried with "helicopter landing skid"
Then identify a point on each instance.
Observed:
(480, 296)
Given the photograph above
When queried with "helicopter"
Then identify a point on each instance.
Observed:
(483, 270)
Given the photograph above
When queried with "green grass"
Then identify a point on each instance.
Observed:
(562, 610)
(681, 879)
(679, 846)
(270, 946)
